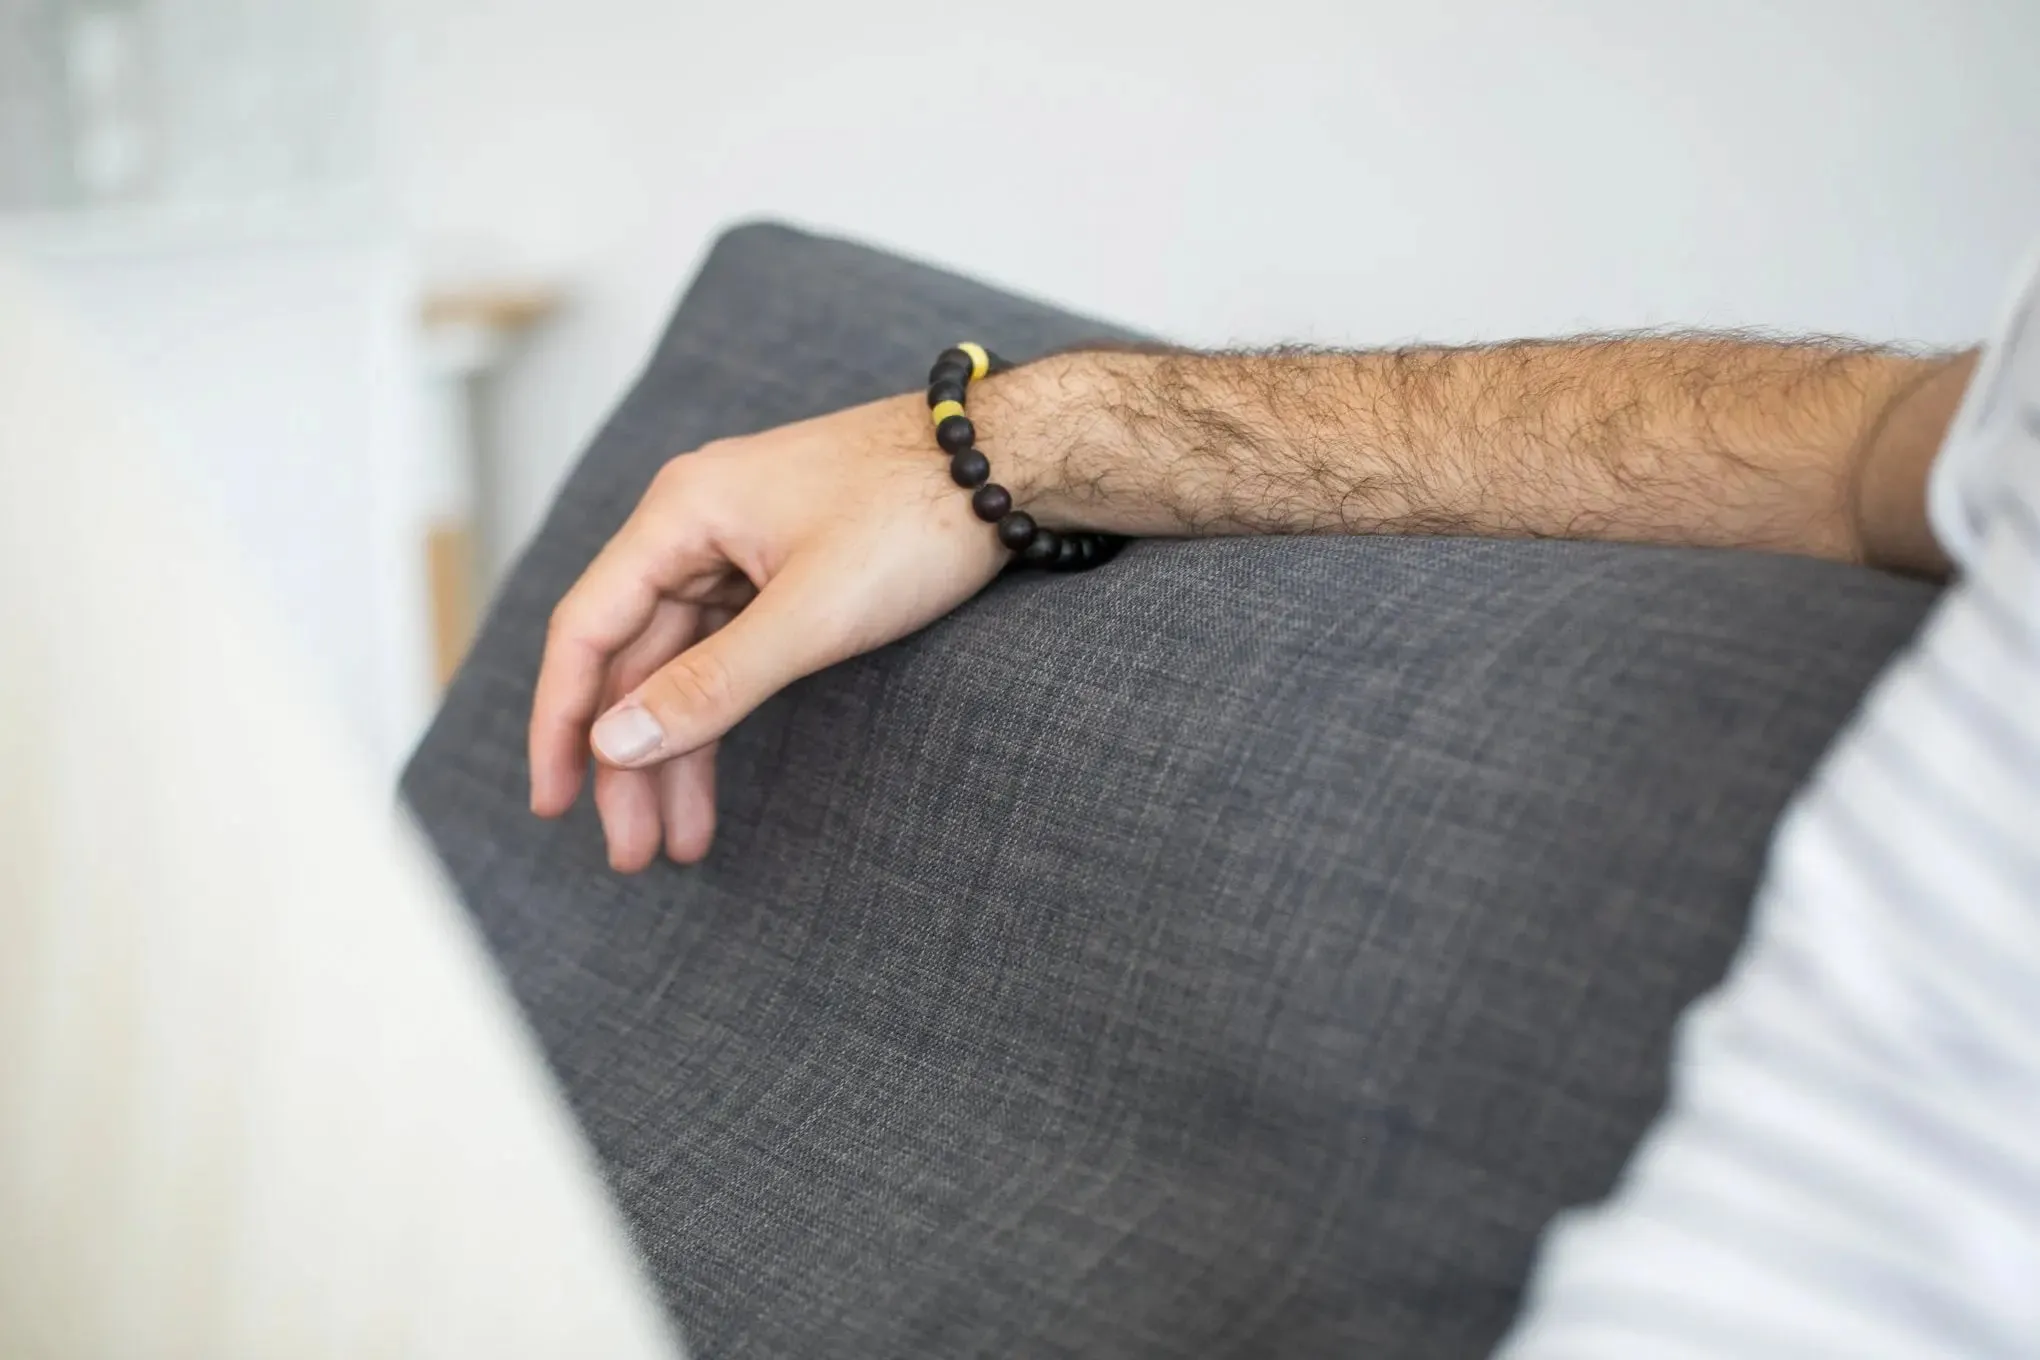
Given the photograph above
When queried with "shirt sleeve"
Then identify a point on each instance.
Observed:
(1996, 431)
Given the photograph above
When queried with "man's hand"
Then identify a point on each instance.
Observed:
(750, 563)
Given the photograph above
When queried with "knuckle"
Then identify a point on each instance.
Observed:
(559, 625)
(670, 476)
(690, 487)
(693, 685)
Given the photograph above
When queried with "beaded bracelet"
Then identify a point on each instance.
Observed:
(1033, 545)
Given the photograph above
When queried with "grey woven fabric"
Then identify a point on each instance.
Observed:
(1240, 950)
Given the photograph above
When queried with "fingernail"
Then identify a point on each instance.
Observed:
(626, 734)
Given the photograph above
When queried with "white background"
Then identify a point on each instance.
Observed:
(1357, 172)
(1289, 169)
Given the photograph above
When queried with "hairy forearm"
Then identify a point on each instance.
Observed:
(1813, 447)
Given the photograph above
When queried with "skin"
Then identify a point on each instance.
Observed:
(752, 562)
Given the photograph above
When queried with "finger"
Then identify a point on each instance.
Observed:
(603, 611)
(629, 802)
(792, 629)
(608, 607)
(687, 796)
(687, 785)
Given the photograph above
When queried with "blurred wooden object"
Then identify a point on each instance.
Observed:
(450, 569)
(469, 331)
(501, 311)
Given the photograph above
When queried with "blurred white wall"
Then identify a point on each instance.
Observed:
(199, 182)
(281, 378)
(1353, 170)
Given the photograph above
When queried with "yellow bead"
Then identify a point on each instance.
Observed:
(943, 410)
(980, 362)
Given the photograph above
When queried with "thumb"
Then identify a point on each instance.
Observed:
(707, 689)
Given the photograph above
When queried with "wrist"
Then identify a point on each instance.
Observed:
(1055, 434)
(1156, 442)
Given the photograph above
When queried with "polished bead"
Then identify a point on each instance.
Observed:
(1016, 529)
(955, 434)
(991, 502)
(969, 468)
(1042, 551)
(944, 389)
(1067, 554)
(980, 358)
(953, 358)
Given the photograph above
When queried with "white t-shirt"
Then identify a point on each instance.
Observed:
(1849, 1163)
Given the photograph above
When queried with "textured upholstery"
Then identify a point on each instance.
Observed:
(1240, 950)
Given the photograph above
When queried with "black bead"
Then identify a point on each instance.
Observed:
(1016, 530)
(1087, 550)
(1042, 551)
(969, 468)
(955, 434)
(944, 389)
(1067, 554)
(991, 502)
(956, 359)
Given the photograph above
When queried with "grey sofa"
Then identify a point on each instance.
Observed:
(1241, 950)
